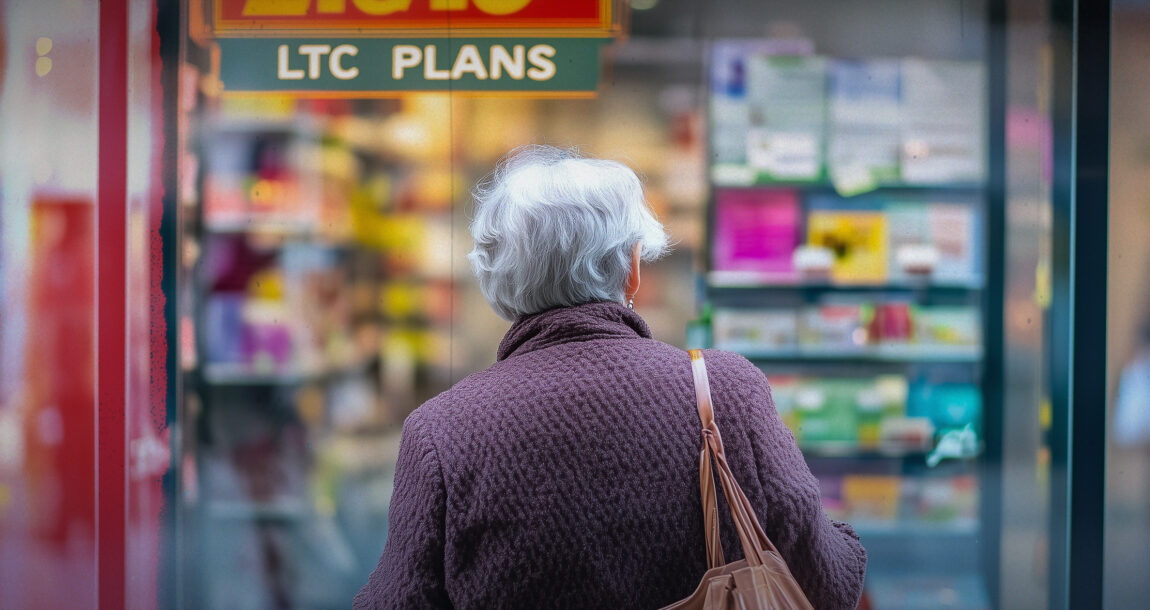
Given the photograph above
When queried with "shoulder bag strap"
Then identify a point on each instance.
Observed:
(754, 541)
(706, 471)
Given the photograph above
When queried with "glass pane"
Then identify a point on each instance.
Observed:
(1026, 300)
(48, 191)
(865, 302)
(316, 311)
(1128, 315)
(149, 368)
(859, 196)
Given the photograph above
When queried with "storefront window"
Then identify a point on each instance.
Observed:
(816, 233)
(1128, 408)
(870, 201)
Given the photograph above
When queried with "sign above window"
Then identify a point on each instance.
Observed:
(384, 48)
(239, 18)
(370, 67)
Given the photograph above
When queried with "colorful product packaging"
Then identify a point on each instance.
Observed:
(756, 230)
(749, 330)
(828, 413)
(872, 497)
(858, 240)
(833, 327)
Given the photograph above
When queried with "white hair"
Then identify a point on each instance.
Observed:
(553, 228)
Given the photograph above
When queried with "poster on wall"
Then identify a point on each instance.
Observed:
(864, 115)
(944, 122)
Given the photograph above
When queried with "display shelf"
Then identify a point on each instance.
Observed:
(311, 129)
(286, 228)
(751, 280)
(287, 231)
(891, 353)
(256, 125)
(854, 451)
(785, 178)
(741, 176)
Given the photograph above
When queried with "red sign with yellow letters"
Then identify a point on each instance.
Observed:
(233, 17)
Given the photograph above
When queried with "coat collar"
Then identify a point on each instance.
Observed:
(595, 320)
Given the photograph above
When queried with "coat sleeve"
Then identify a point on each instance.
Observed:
(410, 573)
(825, 556)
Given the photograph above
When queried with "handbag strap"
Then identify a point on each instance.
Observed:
(754, 540)
(706, 470)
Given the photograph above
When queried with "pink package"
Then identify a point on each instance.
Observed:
(756, 230)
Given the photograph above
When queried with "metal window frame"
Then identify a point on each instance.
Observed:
(1080, 45)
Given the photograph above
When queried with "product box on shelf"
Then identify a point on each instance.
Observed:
(755, 330)
(831, 492)
(906, 434)
(908, 229)
(880, 121)
(783, 393)
(872, 498)
(756, 230)
(267, 338)
(954, 233)
(827, 412)
(884, 401)
(943, 121)
(893, 501)
(864, 124)
(947, 405)
(947, 326)
(256, 180)
(858, 239)
(947, 500)
(950, 230)
(223, 327)
(840, 416)
(787, 99)
(833, 326)
(890, 323)
(893, 329)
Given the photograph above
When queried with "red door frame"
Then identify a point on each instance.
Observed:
(111, 303)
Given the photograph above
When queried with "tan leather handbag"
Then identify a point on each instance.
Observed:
(761, 580)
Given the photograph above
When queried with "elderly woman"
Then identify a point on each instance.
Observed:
(567, 474)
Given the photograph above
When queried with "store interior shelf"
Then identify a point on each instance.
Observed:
(303, 127)
(283, 232)
(853, 451)
(750, 280)
(741, 176)
(286, 228)
(886, 353)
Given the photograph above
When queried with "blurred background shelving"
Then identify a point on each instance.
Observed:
(327, 239)
(845, 257)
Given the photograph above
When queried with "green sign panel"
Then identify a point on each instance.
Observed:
(366, 66)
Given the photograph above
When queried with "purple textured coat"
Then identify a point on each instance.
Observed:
(566, 475)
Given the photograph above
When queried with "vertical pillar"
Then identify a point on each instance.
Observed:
(111, 302)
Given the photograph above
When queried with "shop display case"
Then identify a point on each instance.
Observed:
(230, 270)
(847, 249)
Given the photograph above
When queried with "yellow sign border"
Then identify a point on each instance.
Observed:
(607, 24)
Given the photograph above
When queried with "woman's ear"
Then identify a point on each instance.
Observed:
(632, 286)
